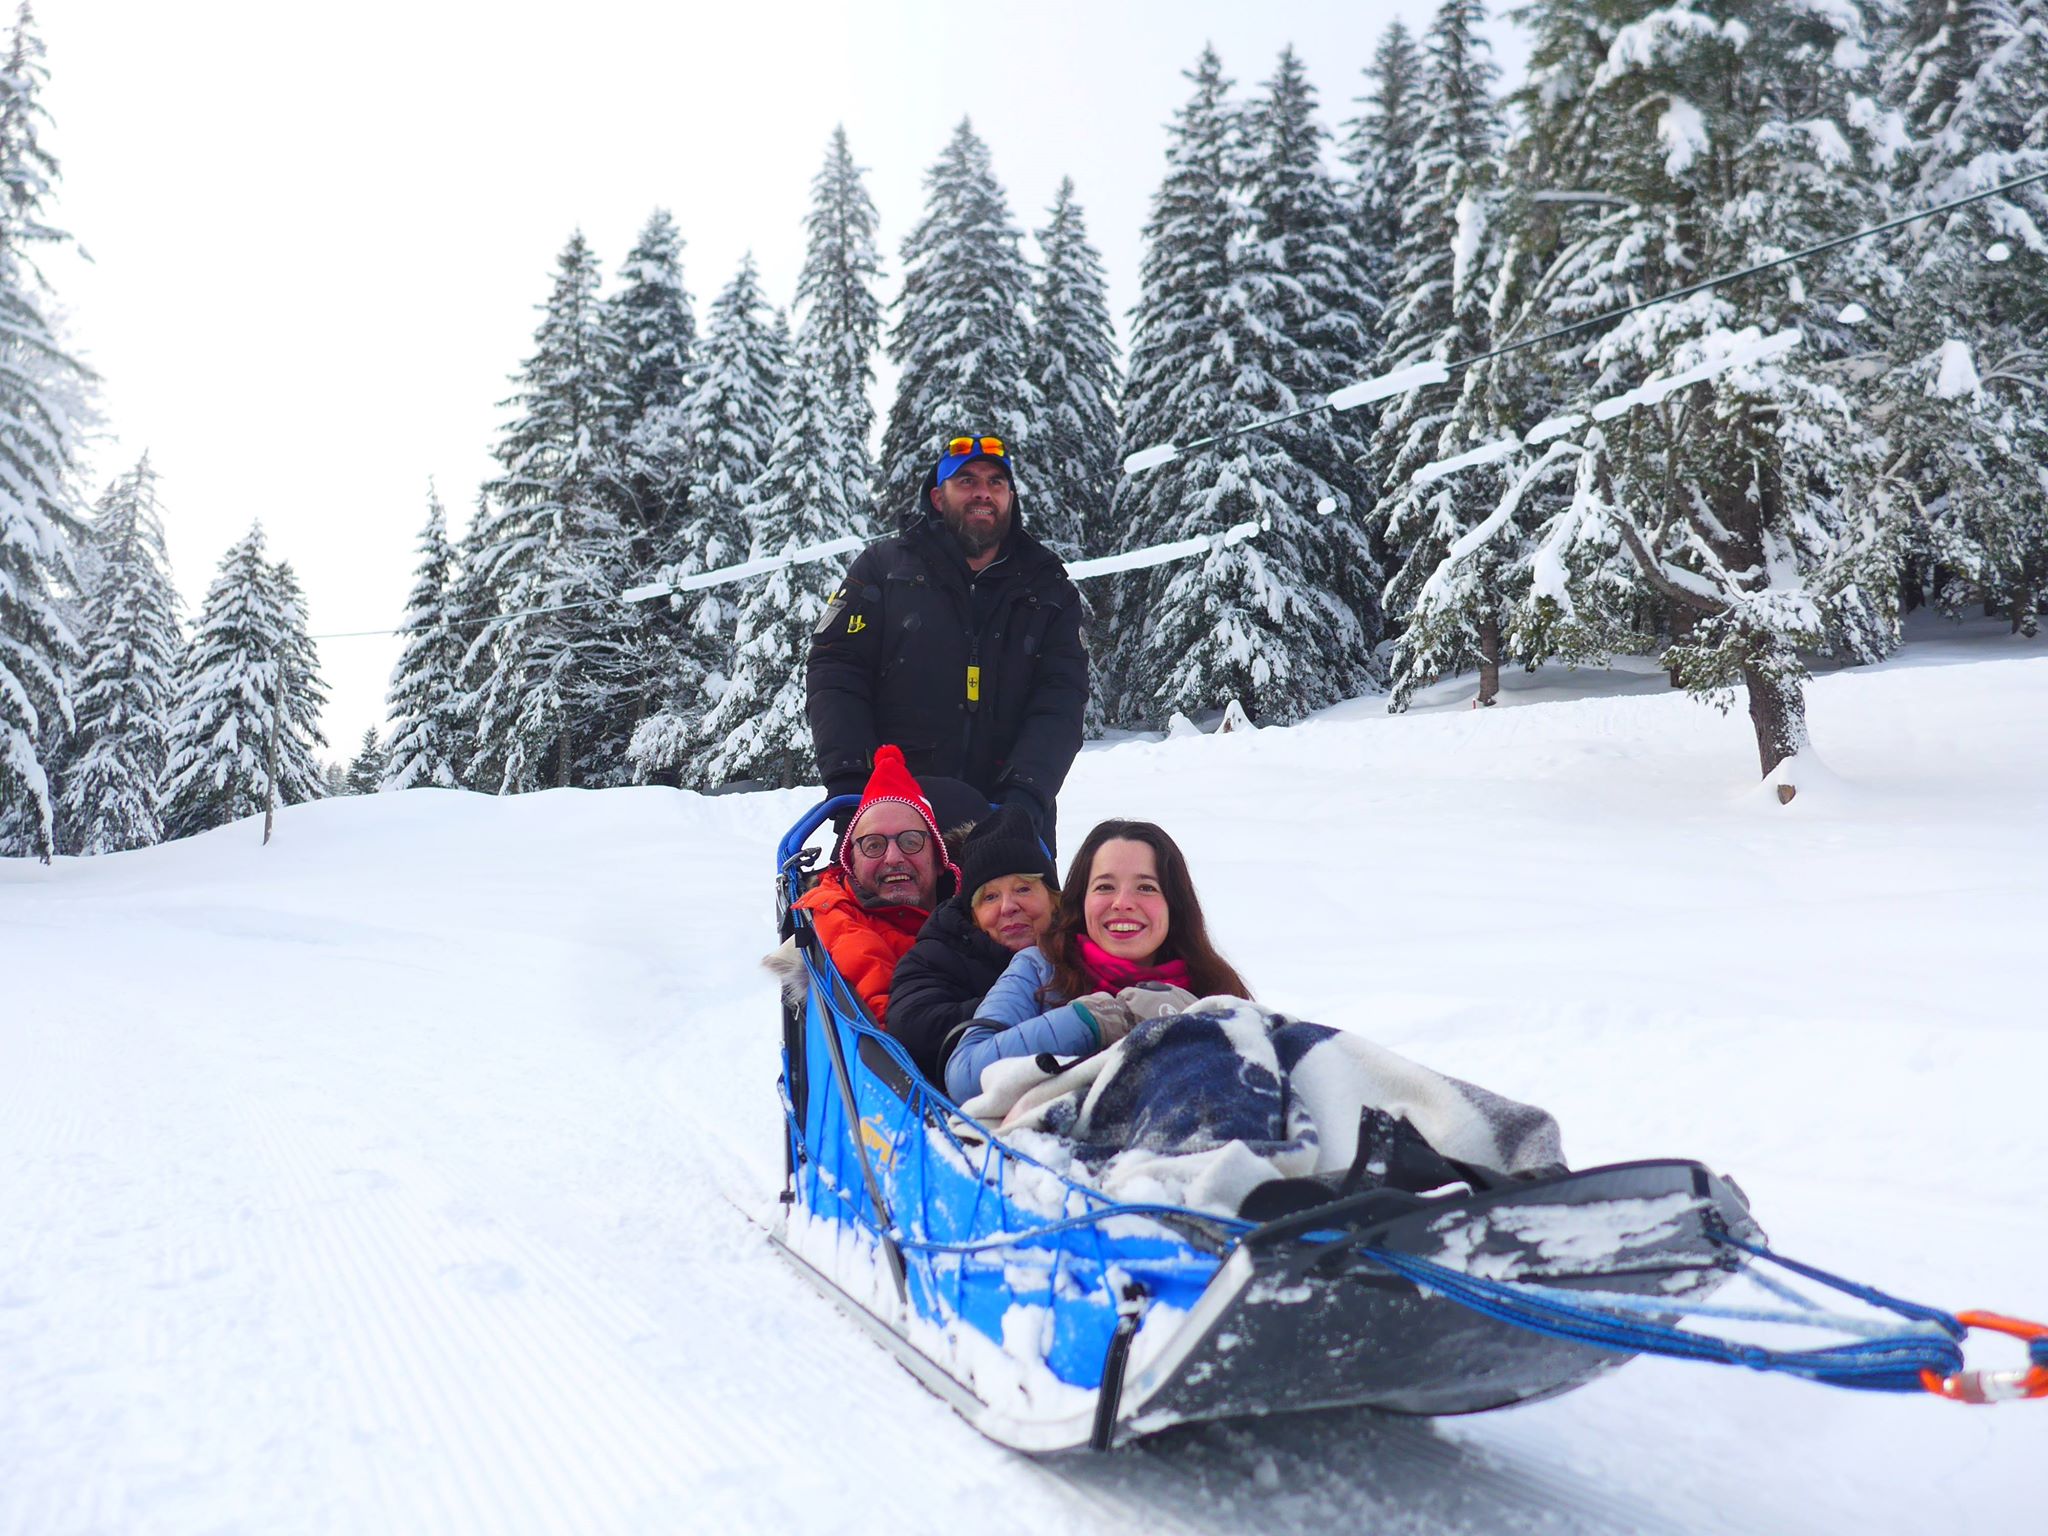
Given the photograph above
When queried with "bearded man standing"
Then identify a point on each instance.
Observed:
(959, 640)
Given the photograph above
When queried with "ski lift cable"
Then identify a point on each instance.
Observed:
(1437, 373)
(691, 583)
(493, 618)
(1079, 570)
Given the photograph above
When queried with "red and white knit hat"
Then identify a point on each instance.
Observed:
(891, 780)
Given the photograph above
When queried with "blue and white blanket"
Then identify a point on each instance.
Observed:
(1199, 1108)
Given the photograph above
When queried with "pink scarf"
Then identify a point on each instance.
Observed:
(1115, 974)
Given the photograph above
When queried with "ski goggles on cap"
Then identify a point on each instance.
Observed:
(960, 450)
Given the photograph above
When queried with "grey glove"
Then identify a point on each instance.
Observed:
(1110, 1015)
(1156, 999)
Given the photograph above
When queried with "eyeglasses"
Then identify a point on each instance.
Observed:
(978, 446)
(875, 844)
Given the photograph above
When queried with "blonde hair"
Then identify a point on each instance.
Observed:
(1052, 891)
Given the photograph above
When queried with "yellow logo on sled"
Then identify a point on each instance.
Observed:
(877, 1141)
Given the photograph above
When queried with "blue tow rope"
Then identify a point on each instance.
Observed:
(1891, 1363)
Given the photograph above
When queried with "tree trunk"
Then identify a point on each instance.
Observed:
(562, 761)
(1489, 660)
(633, 723)
(270, 749)
(1777, 709)
(1682, 621)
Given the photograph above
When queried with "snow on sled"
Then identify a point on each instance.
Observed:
(1054, 1317)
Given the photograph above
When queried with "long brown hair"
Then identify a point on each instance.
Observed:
(1187, 936)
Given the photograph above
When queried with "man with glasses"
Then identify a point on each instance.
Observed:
(891, 870)
(959, 640)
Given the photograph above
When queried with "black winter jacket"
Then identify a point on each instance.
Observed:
(940, 983)
(978, 677)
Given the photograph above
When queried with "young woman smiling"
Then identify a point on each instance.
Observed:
(1129, 942)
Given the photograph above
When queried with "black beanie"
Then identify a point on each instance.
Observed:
(1005, 843)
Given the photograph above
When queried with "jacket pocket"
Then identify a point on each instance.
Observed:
(1035, 623)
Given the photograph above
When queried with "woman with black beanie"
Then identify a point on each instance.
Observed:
(1008, 898)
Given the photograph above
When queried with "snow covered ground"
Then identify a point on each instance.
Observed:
(385, 1178)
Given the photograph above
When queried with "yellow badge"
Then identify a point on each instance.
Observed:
(856, 624)
(974, 685)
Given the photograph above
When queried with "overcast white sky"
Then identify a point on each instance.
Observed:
(319, 234)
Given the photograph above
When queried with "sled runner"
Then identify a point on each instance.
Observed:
(1054, 1318)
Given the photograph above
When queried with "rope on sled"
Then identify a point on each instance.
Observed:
(1090, 1218)
(1926, 1355)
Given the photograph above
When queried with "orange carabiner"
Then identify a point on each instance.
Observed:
(1997, 1386)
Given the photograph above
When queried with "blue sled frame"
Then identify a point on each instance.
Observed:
(1055, 1319)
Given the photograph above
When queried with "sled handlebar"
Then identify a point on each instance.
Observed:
(794, 839)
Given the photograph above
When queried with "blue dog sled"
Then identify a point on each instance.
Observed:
(1053, 1318)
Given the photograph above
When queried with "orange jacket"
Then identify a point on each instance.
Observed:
(864, 942)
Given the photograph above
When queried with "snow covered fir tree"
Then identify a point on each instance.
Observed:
(758, 730)
(43, 396)
(730, 421)
(1379, 148)
(556, 552)
(1443, 282)
(961, 337)
(1965, 405)
(247, 716)
(424, 705)
(1073, 372)
(1225, 329)
(368, 768)
(1745, 515)
(1314, 300)
(835, 291)
(656, 326)
(114, 761)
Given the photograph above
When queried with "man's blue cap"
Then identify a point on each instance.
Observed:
(978, 447)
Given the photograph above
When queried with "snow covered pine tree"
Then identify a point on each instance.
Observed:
(367, 770)
(1749, 504)
(1073, 373)
(657, 331)
(814, 488)
(1311, 272)
(758, 729)
(731, 418)
(1380, 149)
(113, 777)
(960, 336)
(423, 702)
(835, 291)
(1453, 561)
(249, 655)
(1224, 322)
(42, 389)
(1964, 398)
(555, 553)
